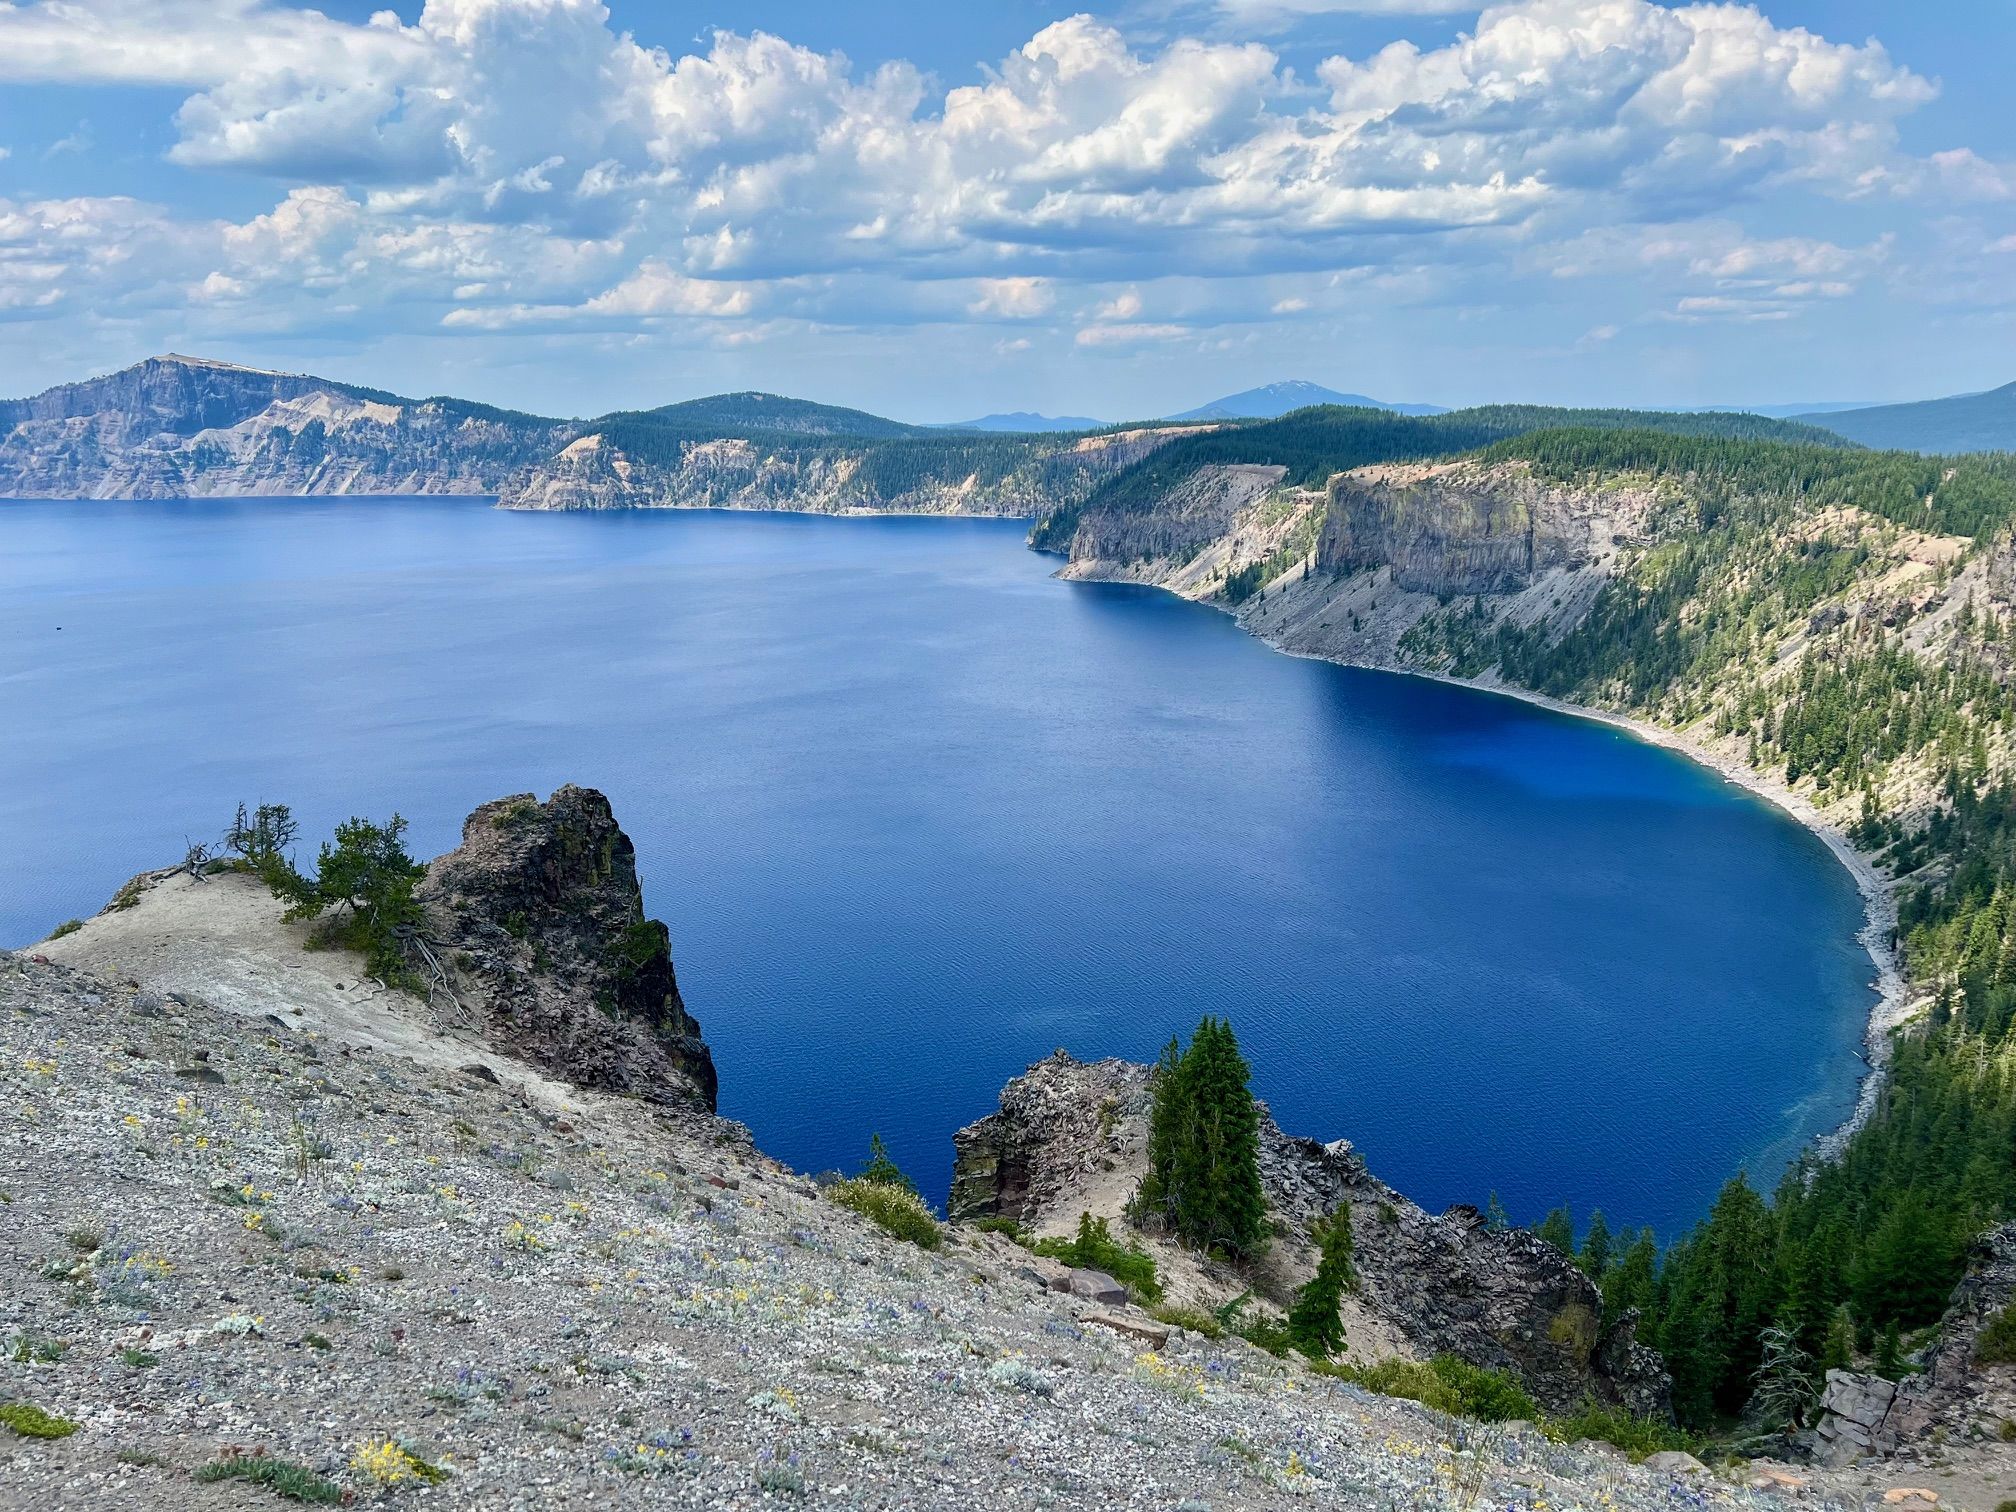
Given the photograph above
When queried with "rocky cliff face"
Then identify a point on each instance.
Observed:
(828, 474)
(1204, 508)
(177, 427)
(1955, 1396)
(1072, 1137)
(1455, 528)
(541, 905)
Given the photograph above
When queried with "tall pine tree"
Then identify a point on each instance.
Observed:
(1204, 1145)
(1314, 1324)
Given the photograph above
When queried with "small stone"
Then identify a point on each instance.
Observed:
(1899, 1496)
(1152, 1334)
(1768, 1479)
(1674, 1462)
(481, 1072)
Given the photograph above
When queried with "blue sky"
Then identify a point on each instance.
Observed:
(940, 210)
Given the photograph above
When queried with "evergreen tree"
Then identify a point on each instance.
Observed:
(361, 889)
(1558, 1229)
(1204, 1146)
(881, 1170)
(1314, 1326)
(1170, 1129)
(1890, 1353)
(1722, 1292)
(1631, 1282)
(1595, 1256)
(1495, 1219)
(1235, 1214)
(1838, 1353)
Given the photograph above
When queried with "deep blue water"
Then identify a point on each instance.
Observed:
(917, 813)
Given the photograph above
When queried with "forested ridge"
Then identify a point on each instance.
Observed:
(887, 465)
(1847, 617)
(1844, 620)
(1314, 443)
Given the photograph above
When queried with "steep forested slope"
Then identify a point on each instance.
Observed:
(1314, 443)
(1843, 621)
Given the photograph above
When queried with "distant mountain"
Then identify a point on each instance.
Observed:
(736, 413)
(1276, 399)
(176, 427)
(1025, 422)
(1963, 423)
(1780, 411)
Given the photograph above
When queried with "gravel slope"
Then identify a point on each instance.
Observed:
(228, 1232)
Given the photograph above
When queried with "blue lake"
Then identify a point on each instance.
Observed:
(917, 814)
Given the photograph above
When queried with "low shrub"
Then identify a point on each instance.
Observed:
(1446, 1384)
(890, 1208)
(1494, 1396)
(67, 927)
(1193, 1318)
(294, 1482)
(881, 1170)
(1996, 1344)
(1636, 1436)
(390, 1463)
(30, 1421)
(1095, 1248)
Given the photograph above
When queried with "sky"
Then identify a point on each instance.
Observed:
(940, 210)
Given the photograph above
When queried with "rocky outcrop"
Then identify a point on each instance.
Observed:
(541, 905)
(1954, 1395)
(1461, 528)
(1069, 1134)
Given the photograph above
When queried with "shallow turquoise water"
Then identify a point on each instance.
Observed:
(918, 813)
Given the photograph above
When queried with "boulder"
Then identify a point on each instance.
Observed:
(1096, 1286)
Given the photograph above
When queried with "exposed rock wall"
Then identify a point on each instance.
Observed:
(1454, 529)
(1955, 1395)
(1071, 1135)
(822, 475)
(1149, 544)
(541, 904)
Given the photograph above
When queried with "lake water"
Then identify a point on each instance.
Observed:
(917, 813)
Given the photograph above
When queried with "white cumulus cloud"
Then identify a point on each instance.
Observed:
(493, 165)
